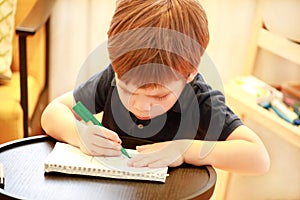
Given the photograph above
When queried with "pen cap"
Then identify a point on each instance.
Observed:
(85, 114)
(296, 122)
(82, 111)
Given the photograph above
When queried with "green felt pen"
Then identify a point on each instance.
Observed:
(87, 116)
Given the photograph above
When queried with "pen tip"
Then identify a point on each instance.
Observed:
(125, 152)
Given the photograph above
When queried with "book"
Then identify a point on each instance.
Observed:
(65, 158)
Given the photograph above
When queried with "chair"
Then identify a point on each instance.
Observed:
(24, 97)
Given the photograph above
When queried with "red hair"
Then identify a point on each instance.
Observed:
(171, 33)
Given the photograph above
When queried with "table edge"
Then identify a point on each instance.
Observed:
(209, 187)
(23, 141)
(41, 138)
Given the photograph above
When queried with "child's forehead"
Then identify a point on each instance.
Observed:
(150, 87)
(150, 74)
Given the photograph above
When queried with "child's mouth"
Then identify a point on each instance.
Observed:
(143, 117)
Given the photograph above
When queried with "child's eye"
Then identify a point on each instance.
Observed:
(162, 98)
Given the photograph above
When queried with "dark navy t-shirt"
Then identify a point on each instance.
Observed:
(199, 113)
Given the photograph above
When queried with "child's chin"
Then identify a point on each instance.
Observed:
(143, 118)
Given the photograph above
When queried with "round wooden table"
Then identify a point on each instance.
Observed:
(23, 162)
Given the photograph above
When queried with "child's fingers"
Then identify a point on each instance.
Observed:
(143, 160)
(152, 147)
(99, 145)
(106, 152)
(108, 134)
(100, 142)
(143, 147)
(157, 164)
(100, 137)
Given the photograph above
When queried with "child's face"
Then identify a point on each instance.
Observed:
(150, 102)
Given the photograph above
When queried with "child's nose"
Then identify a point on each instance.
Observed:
(142, 104)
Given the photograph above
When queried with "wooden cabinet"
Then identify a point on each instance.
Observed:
(282, 139)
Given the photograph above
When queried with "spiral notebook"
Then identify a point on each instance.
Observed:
(68, 159)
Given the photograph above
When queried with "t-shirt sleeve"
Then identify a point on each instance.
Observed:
(93, 91)
(232, 121)
(217, 120)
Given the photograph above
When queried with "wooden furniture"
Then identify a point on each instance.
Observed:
(287, 49)
(281, 139)
(25, 178)
(25, 96)
(38, 17)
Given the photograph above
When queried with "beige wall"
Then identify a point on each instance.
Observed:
(78, 26)
(230, 23)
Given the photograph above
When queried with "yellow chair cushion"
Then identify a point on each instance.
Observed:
(11, 125)
(11, 113)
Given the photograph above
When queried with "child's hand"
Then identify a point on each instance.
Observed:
(99, 141)
(160, 154)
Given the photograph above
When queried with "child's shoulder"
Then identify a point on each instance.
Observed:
(199, 83)
(107, 75)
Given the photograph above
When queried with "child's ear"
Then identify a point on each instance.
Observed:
(191, 76)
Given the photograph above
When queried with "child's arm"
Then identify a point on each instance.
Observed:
(59, 121)
(242, 152)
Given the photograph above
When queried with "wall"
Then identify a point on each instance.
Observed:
(230, 23)
(269, 67)
(79, 26)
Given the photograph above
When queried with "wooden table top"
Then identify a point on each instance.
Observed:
(23, 162)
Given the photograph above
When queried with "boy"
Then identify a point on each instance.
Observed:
(152, 90)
